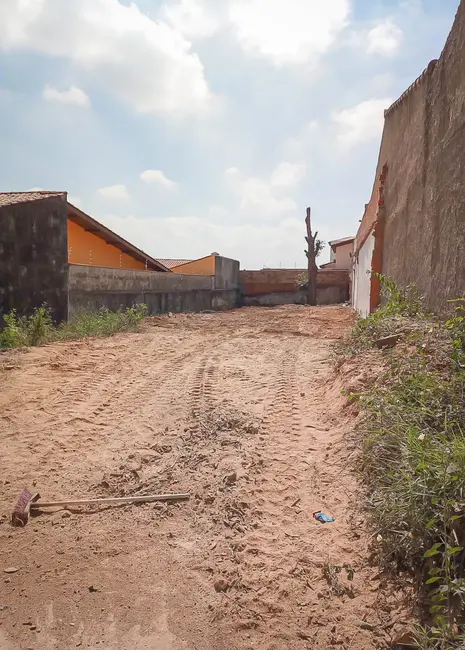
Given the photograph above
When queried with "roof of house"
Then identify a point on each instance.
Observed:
(340, 242)
(88, 223)
(10, 198)
(328, 264)
(172, 264)
(91, 225)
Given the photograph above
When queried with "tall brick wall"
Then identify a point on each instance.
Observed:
(269, 280)
(282, 281)
(424, 192)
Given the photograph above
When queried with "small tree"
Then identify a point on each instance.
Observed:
(315, 246)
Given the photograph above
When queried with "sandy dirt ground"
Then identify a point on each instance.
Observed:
(241, 410)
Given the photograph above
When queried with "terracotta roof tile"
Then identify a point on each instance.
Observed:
(172, 264)
(10, 198)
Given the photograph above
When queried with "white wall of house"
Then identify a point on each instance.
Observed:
(362, 277)
(343, 256)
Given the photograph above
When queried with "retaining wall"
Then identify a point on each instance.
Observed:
(91, 288)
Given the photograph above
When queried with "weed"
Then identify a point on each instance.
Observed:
(102, 323)
(301, 281)
(331, 575)
(456, 327)
(20, 331)
(413, 455)
(401, 312)
(398, 301)
(37, 329)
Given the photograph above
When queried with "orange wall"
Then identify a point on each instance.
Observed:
(281, 280)
(86, 248)
(205, 266)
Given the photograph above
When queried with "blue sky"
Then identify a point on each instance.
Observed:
(192, 126)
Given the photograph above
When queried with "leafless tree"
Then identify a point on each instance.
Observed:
(315, 246)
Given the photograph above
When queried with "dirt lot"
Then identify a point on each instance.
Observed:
(239, 409)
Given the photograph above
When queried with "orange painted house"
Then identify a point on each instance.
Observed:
(202, 266)
(91, 243)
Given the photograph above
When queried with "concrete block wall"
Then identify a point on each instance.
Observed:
(34, 256)
(226, 283)
(226, 273)
(91, 288)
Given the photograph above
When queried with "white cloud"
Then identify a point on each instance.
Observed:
(289, 31)
(114, 192)
(384, 39)
(157, 176)
(361, 123)
(217, 211)
(144, 63)
(36, 189)
(191, 237)
(73, 95)
(298, 146)
(256, 195)
(383, 82)
(192, 18)
(287, 174)
(263, 197)
(74, 200)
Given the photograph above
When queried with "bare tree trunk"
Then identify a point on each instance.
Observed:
(311, 256)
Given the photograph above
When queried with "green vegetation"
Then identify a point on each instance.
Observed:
(302, 279)
(413, 455)
(38, 329)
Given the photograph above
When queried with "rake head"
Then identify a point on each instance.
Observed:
(20, 514)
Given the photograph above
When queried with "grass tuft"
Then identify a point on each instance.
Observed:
(413, 455)
(38, 329)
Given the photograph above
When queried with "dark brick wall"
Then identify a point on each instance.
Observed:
(278, 281)
(424, 192)
(34, 256)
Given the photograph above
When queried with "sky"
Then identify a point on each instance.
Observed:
(193, 126)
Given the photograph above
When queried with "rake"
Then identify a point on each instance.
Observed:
(28, 501)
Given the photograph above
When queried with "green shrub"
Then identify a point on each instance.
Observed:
(456, 328)
(27, 330)
(301, 281)
(38, 328)
(398, 301)
(103, 323)
(413, 455)
(400, 309)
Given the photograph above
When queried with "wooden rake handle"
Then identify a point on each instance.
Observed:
(37, 505)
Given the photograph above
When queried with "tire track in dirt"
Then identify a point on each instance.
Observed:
(130, 379)
(282, 415)
(275, 567)
(140, 394)
(242, 559)
(260, 544)
(105, 371)
(201, 394)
